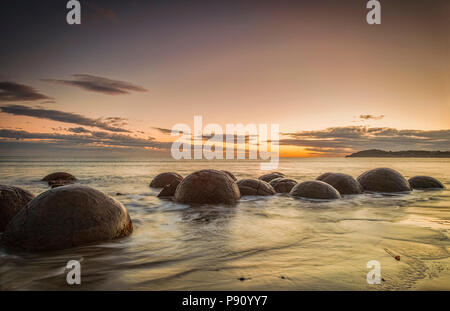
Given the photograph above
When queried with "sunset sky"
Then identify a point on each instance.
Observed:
(133, 69)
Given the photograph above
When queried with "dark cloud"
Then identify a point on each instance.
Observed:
(60, 116)
(11, 91)
(235, 138)
(371, 117)
(337, 140)
(78, 130)
(87, 139)
(100, 84)
(168, 131)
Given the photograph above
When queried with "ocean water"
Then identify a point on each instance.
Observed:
(263, 243)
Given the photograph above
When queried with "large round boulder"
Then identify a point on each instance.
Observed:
(255, 187)
(270, 176)
(425, 182)
(343, 183)
(65, 217)
(163, 179)
(283, 185)
(383, 180)
(12, 200)
(59, 179)
(315, 189)
(207, 187)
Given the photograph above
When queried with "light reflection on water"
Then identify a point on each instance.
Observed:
(272, 242)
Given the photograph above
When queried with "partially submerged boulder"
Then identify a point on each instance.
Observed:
(163, 179)
(59, 176)
(343, 183)
(425, 182)
(65, 217)
(207, 187)
(59, 179)
(255, 187)
(12, 200)
(315, 189)
(383, 180)
(271, 176)
(282, 185)
(169, 190)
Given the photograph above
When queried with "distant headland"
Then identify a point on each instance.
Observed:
(376, 153)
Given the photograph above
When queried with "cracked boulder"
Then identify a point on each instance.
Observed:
(59, 179)
(315, 189)
(207, 187)
(282, 185)
(425, 182)
(271, 176)
(164, 179)
(66, 217)
(383, 180)
(343, 183)
(255, 187)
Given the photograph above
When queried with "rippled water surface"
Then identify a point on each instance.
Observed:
(270, 243)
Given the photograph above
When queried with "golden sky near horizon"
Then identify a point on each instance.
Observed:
(305, 67)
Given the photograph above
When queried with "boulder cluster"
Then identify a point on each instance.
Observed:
(70, 215)
(213, 187)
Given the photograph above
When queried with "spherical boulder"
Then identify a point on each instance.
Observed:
(324, 175)
(59, 176)
(230, 174)
(207, 187)
(255, 187)
(343, 183)
(425, 182)
(65, 217)
(59, 179)
(315, 189)
(12, 200)
(383, 180)
(163, 179)
(283, 185)
(270, 176)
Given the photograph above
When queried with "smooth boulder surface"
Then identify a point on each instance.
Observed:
(163, 179)
(315, 189)
(255, 187)
(230, 174)
(169, 190)
(65, 217)
(324, 175)
(343, 183)
(12, 200)
(383, 180)
(283, 185)
(208, 187)
(425, 182)
(271, 176)
(59, 179)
